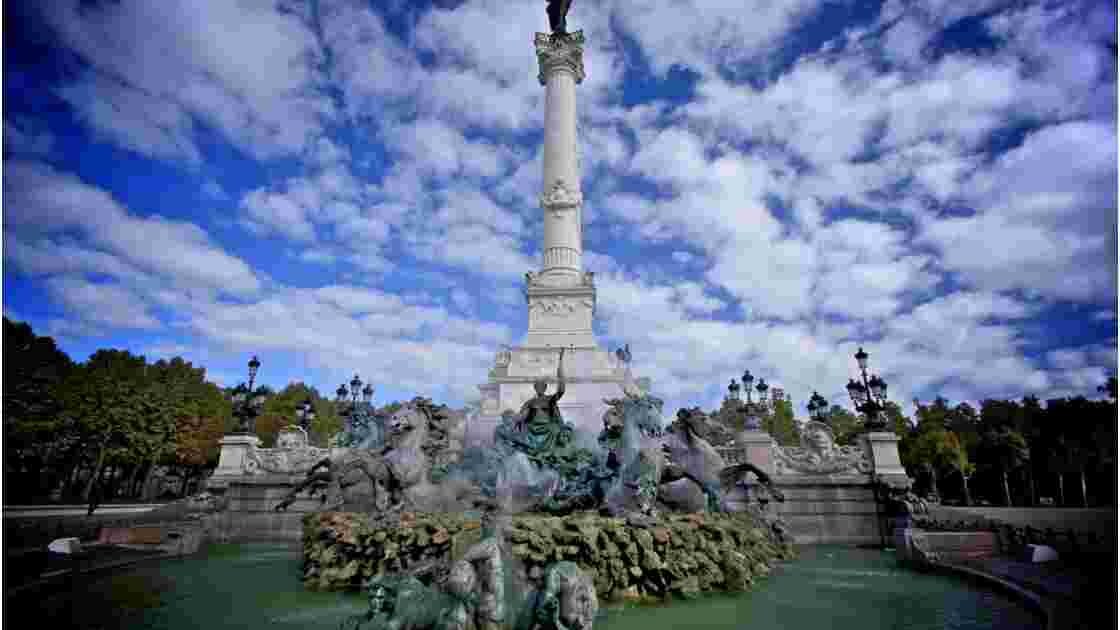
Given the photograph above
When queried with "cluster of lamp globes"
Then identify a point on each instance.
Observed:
(868, 396)
(248, 402)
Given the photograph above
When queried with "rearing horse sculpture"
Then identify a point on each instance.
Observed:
(649, 457)
(399, 473)
(652, 457)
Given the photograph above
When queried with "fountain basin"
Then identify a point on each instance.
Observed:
(257, 586)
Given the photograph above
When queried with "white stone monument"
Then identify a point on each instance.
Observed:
(561, 296)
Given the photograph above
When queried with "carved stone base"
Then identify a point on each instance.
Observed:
(758, 449)
(560, 316)
(883, 447)
(236, 452)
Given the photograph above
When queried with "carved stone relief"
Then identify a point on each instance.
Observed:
(282, 460)
(820, 455)
(561, 196)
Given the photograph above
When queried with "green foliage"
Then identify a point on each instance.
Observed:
(280, 410)
(780, 424)
(34, 367)
(845, 424)
(1109, 388)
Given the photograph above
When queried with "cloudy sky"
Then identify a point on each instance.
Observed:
(343, 186)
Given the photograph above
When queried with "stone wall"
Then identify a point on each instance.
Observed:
(250, 515)
(829, 509)
(1100, 521)
(683, 555)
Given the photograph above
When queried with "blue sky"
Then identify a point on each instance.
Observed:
(343, 186)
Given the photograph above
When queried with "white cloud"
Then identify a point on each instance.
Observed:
(40, 201)
(108, 305)
(244, 68)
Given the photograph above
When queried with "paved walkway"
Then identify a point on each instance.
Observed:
(28, 570)
(24, 511)
(1077, 594)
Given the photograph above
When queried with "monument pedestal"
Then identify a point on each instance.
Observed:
(883, 448)
(758, 449)
(231, 460)
(591, 374)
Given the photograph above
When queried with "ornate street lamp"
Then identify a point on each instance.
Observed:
(306, 414)
(355, 388)
(247, 402)
(817, 405)
(761, 388)
(355, 405)
(747, 380)
(868, 396)
(733, 390)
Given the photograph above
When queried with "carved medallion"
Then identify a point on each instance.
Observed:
(820, 455)
(561, 196)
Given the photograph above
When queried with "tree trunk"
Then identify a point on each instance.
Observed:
(146, 489)
(1061, 490)
(96, 471)
(130, 487)
(1006, 489)
(111, 484)
(1084, 494)
(1030, 485)
(187, 473)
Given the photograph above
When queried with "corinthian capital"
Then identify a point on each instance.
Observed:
(560, 53)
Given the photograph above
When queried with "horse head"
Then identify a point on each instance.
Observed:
(407, 425)
(691, 424)
(642, 412)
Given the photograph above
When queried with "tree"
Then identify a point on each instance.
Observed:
(939, 451)
(780, 424)
(105, 398)
(897, 422)
(845, 425)
(1005, 450)
(34, 430)
(1109, 388)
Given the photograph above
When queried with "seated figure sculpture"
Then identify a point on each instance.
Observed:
(539, 428)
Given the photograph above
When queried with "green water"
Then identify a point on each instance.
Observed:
(257, 586)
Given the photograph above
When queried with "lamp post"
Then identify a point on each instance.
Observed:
(868, 396)
(751, 421)
(355, 404)
(306, 414)
(247, 403)
(817, 405)
(762, 388)
(355, 389)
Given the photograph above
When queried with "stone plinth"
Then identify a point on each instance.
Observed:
(591, 374)
(757, 448)
(232, 459)
(883, 447)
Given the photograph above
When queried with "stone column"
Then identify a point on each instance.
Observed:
(561, 69)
